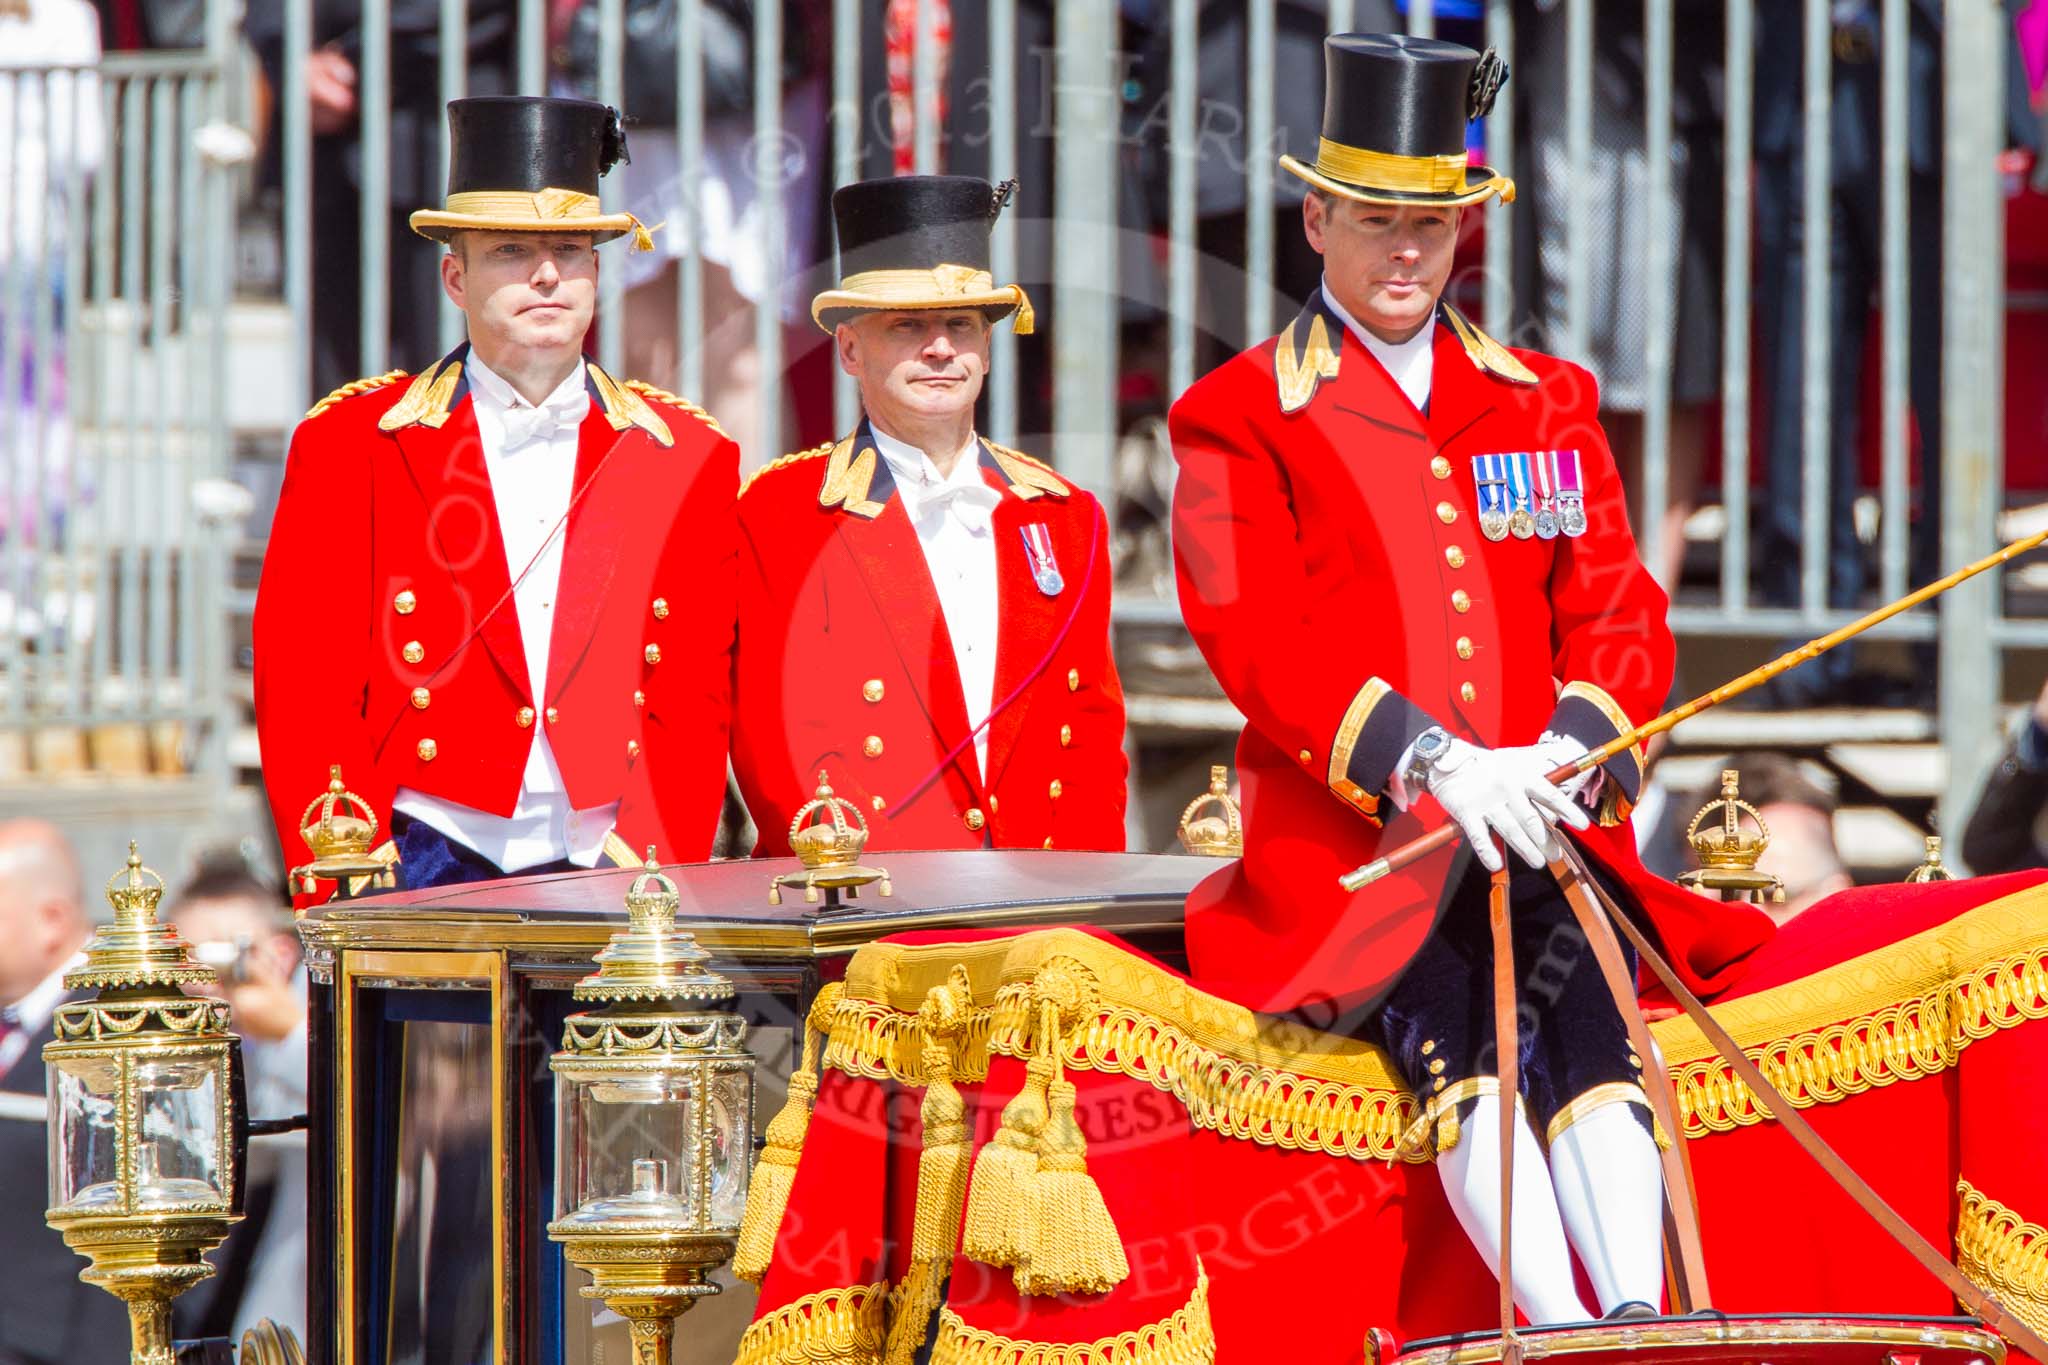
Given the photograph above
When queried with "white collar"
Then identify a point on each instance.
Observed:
(1409, 362)
(914, 469)
(494, 386)
(34, 1009)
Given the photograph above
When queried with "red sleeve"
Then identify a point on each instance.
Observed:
(1243, 594)
(781, 733)
(1612, 646)
(1099, 823)
(313, 630)
(689, 704)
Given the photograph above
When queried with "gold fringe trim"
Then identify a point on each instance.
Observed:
(351, 389)
(783, 462)
(1904, 1042)
(832, 1324)
(647, 390)
(1182, 1338)
(941, 1170)
(2004, 1255)
(782, 1148)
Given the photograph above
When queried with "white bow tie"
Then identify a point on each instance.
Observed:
(973, 505)
(539, 424)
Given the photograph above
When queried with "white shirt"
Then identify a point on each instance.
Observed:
(1410, 362)
(955, 527)
(32, 1013)
(533, 476)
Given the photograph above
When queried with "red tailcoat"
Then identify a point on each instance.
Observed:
(387, 639)
(1333, 571)
(845, 664)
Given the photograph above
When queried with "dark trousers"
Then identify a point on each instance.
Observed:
(427, 857)
(1436, 1024)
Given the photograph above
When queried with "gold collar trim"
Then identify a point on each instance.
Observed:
(426, 399)
(624, 407)
(1303, 357)
(1486, 353)
(849, 476)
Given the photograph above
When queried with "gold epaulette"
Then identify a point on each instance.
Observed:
(1028, 475)
(647, 390)
(352, 388)
(794, 457)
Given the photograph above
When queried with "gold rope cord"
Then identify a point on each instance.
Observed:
(844, 1324)
(1182, 1338)
(2003, 1254)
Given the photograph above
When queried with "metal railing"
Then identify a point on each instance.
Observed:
(1067, 97)
(116, 194)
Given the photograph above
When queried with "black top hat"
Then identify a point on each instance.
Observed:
(520, 164)
(1394, 116)
(918, 241)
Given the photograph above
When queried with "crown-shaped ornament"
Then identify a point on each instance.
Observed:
(1219, 834)
(651, 959)
(1728, 852)
(1933, 870)
(827, 834)
(340, 829)
(137, 949)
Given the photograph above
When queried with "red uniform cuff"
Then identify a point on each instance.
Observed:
(1377, 729)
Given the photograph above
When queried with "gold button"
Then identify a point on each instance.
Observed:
(1461, 600)
(1054, 789)
(654, 654)
(1446, 513)
(1436, 1068)
(1464, 646)
(974, 818)
(872, 689)
(878, 803)
(1429, 1044)
(872, 746)
(661, 608)
(639, 697)
(413, 652)
(994, 807)
(1073, 680)
(420, 698)
(632, 748)
(1048, 841)
(1440, 467)
(1468, 692)
(525, 717)
(1440, 1083)
(1307, 757)
(426, 750)
(1454, 556)
(404, 603)
(554, 716)
(1066, 736)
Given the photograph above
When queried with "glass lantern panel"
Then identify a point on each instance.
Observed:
(732, 1147)
(178, 1156)
(85, 1140)
(628, 1153)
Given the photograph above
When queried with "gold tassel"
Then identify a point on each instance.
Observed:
(999, 1212)
(775, 1170)
(1077, 1249)
(643, 235)
(941, 1169)
(1024, 319)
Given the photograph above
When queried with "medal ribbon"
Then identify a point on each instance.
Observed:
(1486, 470)
(1518, 478)
(1546, 478)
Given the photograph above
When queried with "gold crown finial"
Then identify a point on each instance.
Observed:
(136, 949)
(1727, 852)
(340, 829)
(1216, 835)
(140, 894)
(1933, 870)
(652, 899)
(827, 835)
(650, 958)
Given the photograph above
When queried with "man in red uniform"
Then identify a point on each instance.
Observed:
(500, 595)
(1403, 549)
(924, 615)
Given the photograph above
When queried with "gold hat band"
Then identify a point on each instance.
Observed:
(514, 208)
(1387, 171)
(929, 288)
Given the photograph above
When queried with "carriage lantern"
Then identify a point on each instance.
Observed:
(653, 1113)
(146, 1120)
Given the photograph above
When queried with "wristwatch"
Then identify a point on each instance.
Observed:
(1431, 745)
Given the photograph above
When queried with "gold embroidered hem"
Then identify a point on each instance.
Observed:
(2004, 1255)
(1236, 1072)
(1615, 804)
(843, 1324)
(1580, 1106)
(1183, 1338)
(1442, 1111)
(1348, 730)
(1900, 1013)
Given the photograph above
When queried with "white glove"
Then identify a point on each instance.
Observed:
(1503, 792)
(1558, 750)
